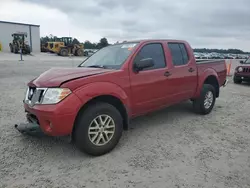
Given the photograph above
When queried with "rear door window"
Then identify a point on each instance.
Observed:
(184, 54)
(179, 54)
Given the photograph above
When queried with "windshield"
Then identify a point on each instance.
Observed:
(110, 57)
(247, 61)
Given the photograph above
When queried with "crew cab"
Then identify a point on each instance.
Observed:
(242, 72)
(94, 102)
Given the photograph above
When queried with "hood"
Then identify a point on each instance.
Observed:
(56, 76)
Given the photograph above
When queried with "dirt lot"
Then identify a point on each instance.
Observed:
(170, 148)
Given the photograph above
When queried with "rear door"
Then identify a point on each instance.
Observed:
(183, 71)
(149, 87)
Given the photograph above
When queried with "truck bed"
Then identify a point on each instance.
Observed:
(202, 61)
(218, 66)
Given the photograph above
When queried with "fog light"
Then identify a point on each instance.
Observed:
(51, 125)
(48, 126)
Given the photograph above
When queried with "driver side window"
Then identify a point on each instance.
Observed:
(154, 51)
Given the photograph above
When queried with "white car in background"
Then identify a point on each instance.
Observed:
(197, 55)
(89, 52)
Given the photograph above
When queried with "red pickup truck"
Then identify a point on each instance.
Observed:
(94, 102)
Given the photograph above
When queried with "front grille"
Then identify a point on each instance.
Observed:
(246, 69)
(34, 95)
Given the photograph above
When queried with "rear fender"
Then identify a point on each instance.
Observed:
(96, 89)
(202, 77)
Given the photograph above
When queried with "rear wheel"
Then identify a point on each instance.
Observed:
(11, 49)
(27, 50)
(237, 80)
(64, 52)
(205, 103)
(15, 49)
(98, 129)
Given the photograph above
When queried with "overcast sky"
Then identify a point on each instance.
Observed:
(204, 23)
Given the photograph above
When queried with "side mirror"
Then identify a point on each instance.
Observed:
(143, 64)
(241, 62)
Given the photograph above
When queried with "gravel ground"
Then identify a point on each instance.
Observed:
(170, 148)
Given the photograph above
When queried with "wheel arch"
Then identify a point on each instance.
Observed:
(212, 80)
(110, 99)
(209, 76)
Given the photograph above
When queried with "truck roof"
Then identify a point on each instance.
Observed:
(153, 40)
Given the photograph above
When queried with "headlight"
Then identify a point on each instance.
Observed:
(55, 95)
(240, 69)
(26, 93)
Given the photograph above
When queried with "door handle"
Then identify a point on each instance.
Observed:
(191, 70)
(167, 74)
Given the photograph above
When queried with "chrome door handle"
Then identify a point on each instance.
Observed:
(167, 74)
(191, 70)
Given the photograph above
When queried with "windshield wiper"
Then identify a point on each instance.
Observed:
(97, 66)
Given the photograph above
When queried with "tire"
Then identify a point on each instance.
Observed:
(79, 52)
(27, 49)
(237, 80)
(11, 49)
(199, 104)
(64, 52)
(85, 121)
(15, 50)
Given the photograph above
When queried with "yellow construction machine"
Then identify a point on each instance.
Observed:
(64, 47)
(70, 48)
(54, 47)
(19, 43)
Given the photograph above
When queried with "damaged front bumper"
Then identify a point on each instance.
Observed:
(28, 128)
(31, 127)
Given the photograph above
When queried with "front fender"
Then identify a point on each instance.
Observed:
(202, 77)
(92, 90)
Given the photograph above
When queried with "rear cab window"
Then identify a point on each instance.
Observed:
(154, 51)
(179, 53)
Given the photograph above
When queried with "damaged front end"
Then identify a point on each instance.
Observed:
(31, 127)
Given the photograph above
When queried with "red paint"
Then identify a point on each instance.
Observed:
(61, 116)
(140, 93)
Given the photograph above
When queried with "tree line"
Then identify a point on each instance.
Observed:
(224, 51)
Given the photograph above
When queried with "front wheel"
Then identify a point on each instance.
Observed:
(237, 80)
(205, 103)
(64, 52)
(79, 52)
(98, 129)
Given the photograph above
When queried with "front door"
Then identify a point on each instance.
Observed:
(149, 86)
